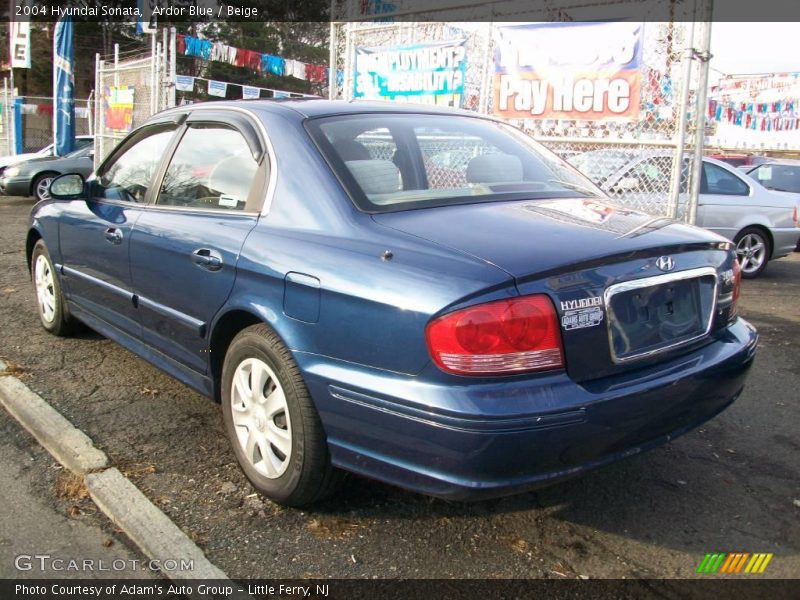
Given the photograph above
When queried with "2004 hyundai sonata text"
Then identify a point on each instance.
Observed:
(422, 296)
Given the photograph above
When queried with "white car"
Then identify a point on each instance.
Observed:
(13, 159)
(762, 223)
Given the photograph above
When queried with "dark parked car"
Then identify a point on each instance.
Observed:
(464, 339)
(33, 177)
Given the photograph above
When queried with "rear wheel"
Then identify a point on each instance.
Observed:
(753, 250)
(41, 186)
(49, 299)
(272, 423)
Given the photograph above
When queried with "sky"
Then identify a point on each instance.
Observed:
(739, 48)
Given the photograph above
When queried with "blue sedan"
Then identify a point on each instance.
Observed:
(421, 296)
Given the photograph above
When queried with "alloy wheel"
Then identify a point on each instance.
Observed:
(752, 252)
(43, 188)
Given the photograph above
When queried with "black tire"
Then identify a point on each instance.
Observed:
(309, 475)
(38, 181)
(750, 233)
(61, 323)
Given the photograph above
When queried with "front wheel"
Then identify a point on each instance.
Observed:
(49, 299)
(41, 186)
(271, 421)
(753, 251)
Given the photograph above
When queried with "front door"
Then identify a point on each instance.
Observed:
(95, 234)
(185, 245)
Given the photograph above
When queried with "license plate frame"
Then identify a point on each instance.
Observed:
(706, 315)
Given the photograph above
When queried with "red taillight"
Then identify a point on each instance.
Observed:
(737, 282)
(795, 218)
(501, 337)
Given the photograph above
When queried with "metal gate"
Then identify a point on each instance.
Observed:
(6, 134)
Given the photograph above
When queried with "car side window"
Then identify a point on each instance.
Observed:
(129, 175)
(719, 181)
(212, 168)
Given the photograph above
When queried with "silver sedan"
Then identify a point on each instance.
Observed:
(763, 223)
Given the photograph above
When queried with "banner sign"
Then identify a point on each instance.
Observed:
(217, 88)
(184, 83)
(64, 87)
(250, 93)
(431, 73)
(587, 71)
(19, 37)
(118, 104)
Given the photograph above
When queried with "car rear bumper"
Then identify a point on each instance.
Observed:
(785, 240)
(476, 440)
(10, 186)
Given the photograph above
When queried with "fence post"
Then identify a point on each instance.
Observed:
(173, 51)
(332, 59)
(680, 137)
(700, 112)
(483, 93)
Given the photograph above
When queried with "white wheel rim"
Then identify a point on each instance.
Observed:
(43, 188)
(45, 288)
(752, 252)
(261, 418)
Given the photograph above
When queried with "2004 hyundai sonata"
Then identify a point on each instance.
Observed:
(421, 296)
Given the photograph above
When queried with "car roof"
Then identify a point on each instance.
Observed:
(789, 162)
(303, 108)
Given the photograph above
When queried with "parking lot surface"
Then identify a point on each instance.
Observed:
(731, 486)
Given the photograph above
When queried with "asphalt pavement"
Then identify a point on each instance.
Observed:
(732, 485)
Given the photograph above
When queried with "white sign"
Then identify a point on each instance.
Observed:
(217, 88)
(250, 93)
(184, 83)
(19, 36)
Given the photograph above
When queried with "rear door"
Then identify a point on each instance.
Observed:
(95, 234)
(185, 245)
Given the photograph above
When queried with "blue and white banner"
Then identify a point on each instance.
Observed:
(147, 20)
(217, 88)
(431, 72)
(184, 83)
(250, 93)
(64, 87)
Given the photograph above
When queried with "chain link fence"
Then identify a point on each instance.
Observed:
(37, 121)
(128, 92)
(633, 161)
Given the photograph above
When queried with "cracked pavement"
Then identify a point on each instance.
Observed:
(732, 485)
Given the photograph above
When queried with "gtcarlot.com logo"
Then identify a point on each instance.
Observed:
(46, 562)
(723, 563)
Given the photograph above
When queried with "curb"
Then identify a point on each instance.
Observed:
(153, 532)
(68, 445)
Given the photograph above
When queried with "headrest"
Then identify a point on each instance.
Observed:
(375, 176)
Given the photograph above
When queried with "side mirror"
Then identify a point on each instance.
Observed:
(626, 184)
(67, 187)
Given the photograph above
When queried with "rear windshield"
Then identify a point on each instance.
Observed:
(391, 162)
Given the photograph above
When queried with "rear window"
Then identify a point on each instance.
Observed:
(390, 162)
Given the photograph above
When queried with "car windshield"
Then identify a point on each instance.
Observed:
(390, 162)
(80, 152)
(599, 165)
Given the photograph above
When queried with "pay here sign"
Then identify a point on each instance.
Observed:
(589, 71)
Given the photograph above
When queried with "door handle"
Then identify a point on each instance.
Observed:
(113, 235)
(211, 260)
